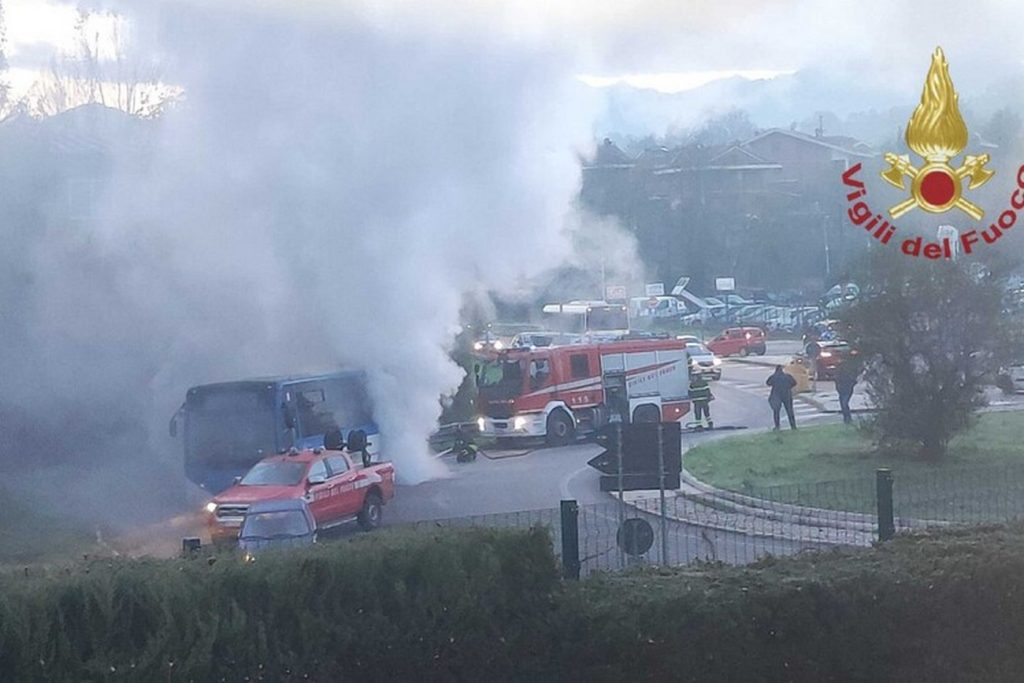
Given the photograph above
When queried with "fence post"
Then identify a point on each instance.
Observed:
(570, 539)
(883, 489)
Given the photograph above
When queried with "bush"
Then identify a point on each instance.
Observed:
(936, 608)
(391, 606)
(487, 605)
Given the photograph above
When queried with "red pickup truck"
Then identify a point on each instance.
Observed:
(337, 488)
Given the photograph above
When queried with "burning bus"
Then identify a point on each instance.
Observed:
(230, 426)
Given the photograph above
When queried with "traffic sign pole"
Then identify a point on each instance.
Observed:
(661, 492)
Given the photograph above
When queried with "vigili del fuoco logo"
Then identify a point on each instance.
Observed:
(937, 134)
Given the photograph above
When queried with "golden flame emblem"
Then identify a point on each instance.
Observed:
(937, 133)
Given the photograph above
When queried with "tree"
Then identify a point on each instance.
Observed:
(4, 85)
(930, 334)
(102, 69)
(1003, 127)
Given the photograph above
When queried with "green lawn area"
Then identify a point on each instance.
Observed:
(28, 536)
(982, 477)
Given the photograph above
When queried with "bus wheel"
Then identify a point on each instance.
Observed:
(647, 413)
(561, 429)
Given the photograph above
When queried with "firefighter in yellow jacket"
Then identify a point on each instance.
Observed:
(700, 396)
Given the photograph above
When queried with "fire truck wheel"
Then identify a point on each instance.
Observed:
(373, 509)
(561, 430)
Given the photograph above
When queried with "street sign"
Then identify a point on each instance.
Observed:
(635, 536)
(614, 293)
(654, 289)
(725, 284)
(640, 462)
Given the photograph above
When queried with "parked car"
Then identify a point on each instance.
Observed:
(273, 524)
(702, 361)
(739, 340)
(827, 356)
(1011, 379)
(337, 488)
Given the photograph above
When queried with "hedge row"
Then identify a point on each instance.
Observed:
(487, 605)
(402, 605)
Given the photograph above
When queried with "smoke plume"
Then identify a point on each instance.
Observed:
(326, 192)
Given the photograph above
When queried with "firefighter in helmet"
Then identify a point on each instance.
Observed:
(700, 395)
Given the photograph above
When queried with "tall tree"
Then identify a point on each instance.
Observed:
(104, 68)
(930, 334)
(4, 84)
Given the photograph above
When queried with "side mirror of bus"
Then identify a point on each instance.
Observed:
(357, 440)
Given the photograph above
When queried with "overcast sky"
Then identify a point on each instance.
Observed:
(663, 44)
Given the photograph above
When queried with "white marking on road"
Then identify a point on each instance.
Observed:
(563, 486)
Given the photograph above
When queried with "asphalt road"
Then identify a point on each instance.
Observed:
(520, 488)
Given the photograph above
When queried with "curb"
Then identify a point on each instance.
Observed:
(749, 361)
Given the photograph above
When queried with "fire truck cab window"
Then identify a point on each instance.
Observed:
(540, 370)
(508, 372)
(579, 366)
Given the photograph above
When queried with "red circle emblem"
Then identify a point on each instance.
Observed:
(937, 188)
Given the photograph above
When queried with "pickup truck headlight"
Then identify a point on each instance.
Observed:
(481, 423)
(211, 507)
(519, 423)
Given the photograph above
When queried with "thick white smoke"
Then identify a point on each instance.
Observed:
(327, 192)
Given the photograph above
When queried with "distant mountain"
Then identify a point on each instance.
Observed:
(861, 108)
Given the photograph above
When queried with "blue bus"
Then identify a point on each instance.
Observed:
(230, 426)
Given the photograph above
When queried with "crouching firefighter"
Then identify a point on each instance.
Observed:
(700, 395)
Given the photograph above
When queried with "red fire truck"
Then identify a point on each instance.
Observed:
(559, 391)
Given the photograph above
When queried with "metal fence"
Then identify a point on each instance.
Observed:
(702, 524)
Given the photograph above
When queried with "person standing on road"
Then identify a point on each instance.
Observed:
(781, 395)
(700, 394)
(846, 380)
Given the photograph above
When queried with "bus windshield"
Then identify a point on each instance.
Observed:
(230, 425)
(607, 318)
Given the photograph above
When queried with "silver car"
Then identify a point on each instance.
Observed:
(703, 361)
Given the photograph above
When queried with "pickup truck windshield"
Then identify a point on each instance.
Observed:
(276, 473)
(283, 524)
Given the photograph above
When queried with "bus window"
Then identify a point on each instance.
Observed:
(337, 403)
(230, 425)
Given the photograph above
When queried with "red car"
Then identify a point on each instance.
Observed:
(739, 340)
(337, 489)
(828, 356)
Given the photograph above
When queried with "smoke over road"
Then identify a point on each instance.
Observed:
(327, 192)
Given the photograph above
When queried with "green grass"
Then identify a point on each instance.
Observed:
(29, 536)
(841, 452)
(833, 467)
